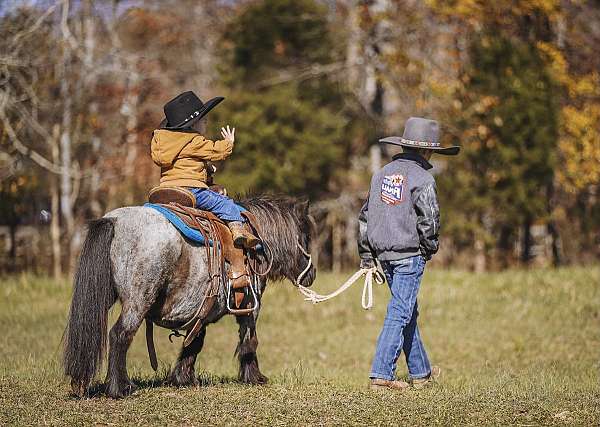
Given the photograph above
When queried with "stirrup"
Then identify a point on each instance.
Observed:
(241, 311)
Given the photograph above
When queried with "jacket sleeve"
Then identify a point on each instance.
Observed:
(364, 249)
(428, 219)
(205, 149)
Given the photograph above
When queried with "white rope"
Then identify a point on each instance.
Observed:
(308, 266)
(367, 293)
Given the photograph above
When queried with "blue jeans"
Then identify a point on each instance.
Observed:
(400, 330)
(221, 206)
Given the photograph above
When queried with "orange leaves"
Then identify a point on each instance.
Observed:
(579, 142)
(475, 12)
(580, 147)
(142, 27)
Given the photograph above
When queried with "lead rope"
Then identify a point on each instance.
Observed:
(306, 269)
(367, 293)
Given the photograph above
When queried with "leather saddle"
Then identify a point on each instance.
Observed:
(226, 262)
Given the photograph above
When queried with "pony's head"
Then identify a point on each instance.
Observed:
(286, 228)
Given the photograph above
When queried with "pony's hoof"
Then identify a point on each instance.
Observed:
(182, 381)
(253, 376)
(132, 388)
(119, 392)
(78, 388)
(261, 379)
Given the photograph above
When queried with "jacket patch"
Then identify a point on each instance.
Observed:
(392, 189)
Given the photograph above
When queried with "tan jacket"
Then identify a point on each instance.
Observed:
(182, 156)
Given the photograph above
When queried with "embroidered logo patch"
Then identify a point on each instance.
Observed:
(392, 189)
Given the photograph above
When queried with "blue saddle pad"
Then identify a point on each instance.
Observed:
(186, 230)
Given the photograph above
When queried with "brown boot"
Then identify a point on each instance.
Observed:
(381, 384)
(428, 380)
(241, 237)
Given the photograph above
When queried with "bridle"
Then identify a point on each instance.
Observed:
(308, 265)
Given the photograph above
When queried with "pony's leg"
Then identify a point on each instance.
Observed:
(118, 383)
(184, 374)
(246, 351)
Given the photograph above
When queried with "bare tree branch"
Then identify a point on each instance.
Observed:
(64, 25)
(34, 27)
(307, 73)
(26, 151)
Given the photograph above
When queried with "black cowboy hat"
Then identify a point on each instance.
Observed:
(186, 109)
(422, 133)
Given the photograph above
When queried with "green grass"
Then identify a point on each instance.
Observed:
(520, 347)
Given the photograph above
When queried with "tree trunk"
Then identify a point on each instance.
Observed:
(351, 234)
(505, 246)
(479, 261)
(66, 187)
(377, 103)
(353, 50)
(375, 155)
(336, 251)
(55, 211)
(89, 32)
(526, 242)
(556, 243)
(129, 107)
(557, 260)
(12, 254)
(355, 55)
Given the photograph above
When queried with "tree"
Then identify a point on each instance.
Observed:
(284, 144)
(288, 109)
(509, 128)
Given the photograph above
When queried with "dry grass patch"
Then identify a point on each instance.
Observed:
(519, 347)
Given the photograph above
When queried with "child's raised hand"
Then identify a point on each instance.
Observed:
(228, 134)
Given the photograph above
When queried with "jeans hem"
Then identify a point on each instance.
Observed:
(233, 218)
(419, 376)
(374, 375)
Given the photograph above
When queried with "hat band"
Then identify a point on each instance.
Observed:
(421, 143)
(194, 114)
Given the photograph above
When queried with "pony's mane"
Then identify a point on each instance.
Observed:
(271, 202)
(284, 222)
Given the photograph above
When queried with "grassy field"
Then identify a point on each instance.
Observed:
(519, 348)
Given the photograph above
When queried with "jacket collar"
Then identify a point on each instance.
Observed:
(415, 158)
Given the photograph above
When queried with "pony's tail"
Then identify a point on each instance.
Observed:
(93, 296)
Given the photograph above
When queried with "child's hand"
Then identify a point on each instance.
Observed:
(228, 134)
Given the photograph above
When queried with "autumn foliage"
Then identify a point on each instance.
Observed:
(310, 86)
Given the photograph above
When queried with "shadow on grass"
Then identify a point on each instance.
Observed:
(159, 381)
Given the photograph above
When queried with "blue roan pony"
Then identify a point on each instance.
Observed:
(135, 254)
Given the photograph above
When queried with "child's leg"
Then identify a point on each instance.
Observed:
(414, 350)
(221, 206)
(404, 278)
(226, 209)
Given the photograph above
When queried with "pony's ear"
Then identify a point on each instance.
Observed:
(302, 206)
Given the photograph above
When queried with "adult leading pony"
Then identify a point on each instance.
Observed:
(135, 254)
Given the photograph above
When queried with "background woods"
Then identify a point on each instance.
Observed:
(310, 86)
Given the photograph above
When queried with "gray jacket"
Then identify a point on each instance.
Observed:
(401, 217)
